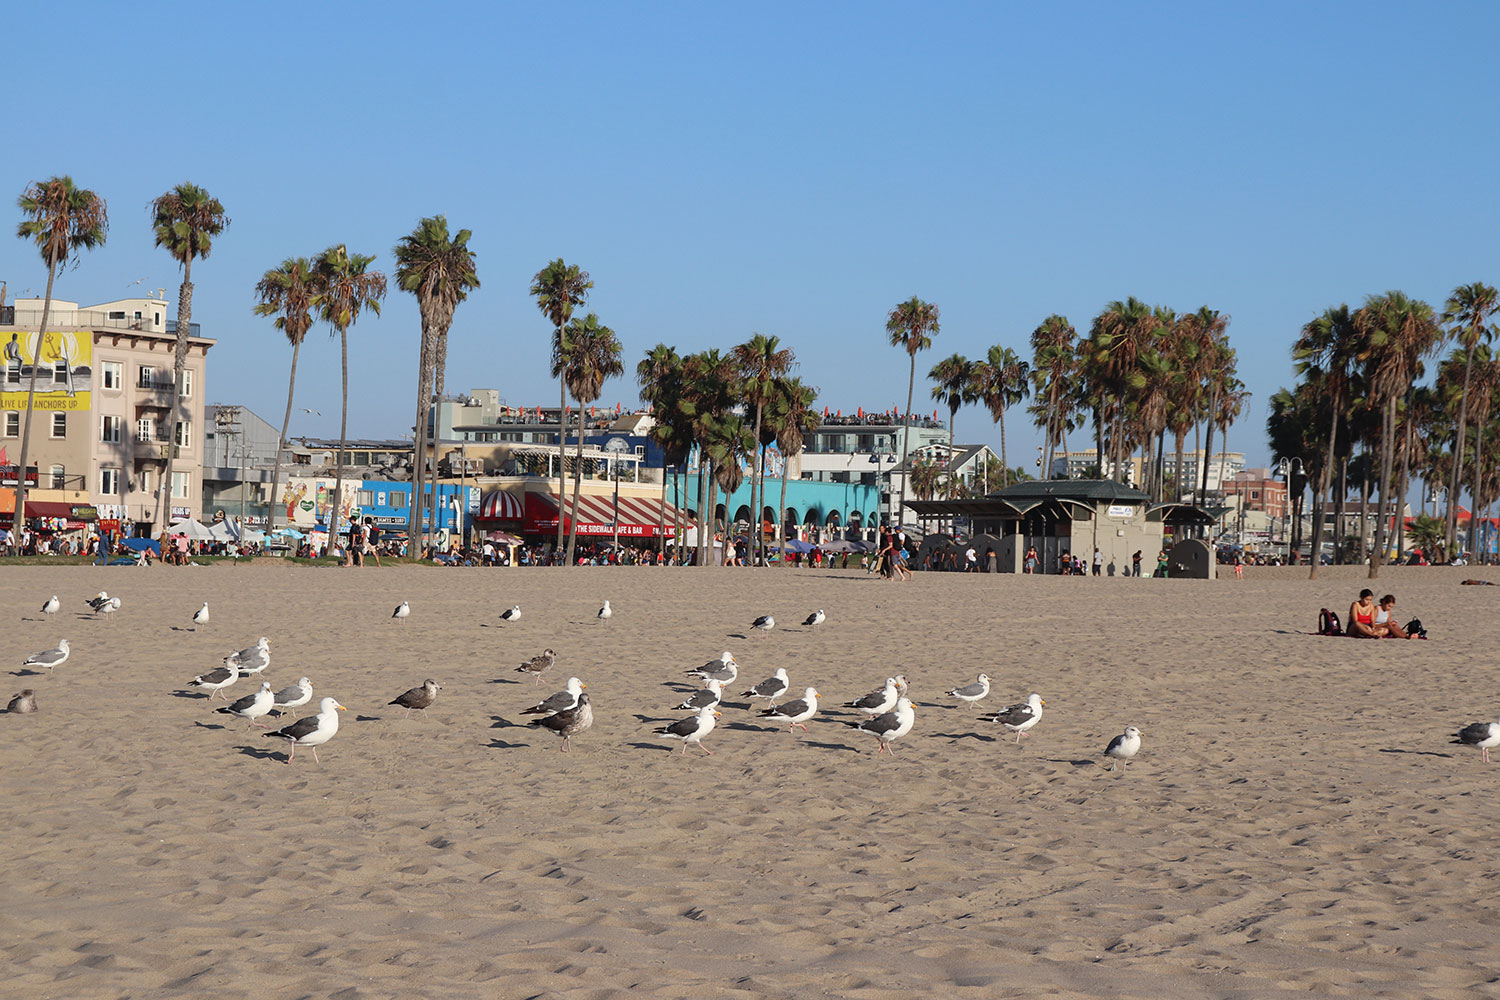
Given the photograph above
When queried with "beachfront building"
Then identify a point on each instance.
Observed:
(102, 408)
(1223, 467)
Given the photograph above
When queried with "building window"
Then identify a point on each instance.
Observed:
(110, 429)
(59, 478)
(1255, 494)
(145, 429)
(364, 498)
(59, 425)
(13, 374)
(187, 382)
(147, 378)
(114, 375)
(12, 424)
(109, 481)
(184, 433)
(59, 373)
(145, 480)
(181, 481)
(398, 500)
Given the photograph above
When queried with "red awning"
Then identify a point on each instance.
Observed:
(501, 506)
(48, 508)
(638, 516)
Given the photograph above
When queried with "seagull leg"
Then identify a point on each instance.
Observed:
(705, 749)
(315, 756)
(290, 754)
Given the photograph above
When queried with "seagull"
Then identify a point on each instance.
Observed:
(816, 618)
(418, 697)
(52, 606)
(569, 722)
(901, 686)
(49, 658)
(707, 696)
(98, 601)
(764, 623)
(796, 712)
(877, 702)
(1128, 744)
(538, 665)
(973, 693)
(110, 606)
(1019, 718)
(313, 731)
(692, 729)
(296, 696)
(561, 701)
(252, 706)
(403, 610)
(514, 614)
(771, 688)
(725, 669)
(252, 660)
(605, 613)
(201, 617)
(215, 680)
(1483, 735)
(22, 703)
(889, 726)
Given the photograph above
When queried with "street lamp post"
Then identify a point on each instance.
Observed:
(616, 447)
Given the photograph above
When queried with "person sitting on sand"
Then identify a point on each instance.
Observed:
(1362, 617)
(1385, 624)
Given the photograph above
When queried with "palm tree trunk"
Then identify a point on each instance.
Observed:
(1208, 427)
(338, 465)
(1478, 469)
(1181, 437)
(702, 525)
(1323, 483)
(1455, 484)
(562, 439)
(286, 422)
(416, 536)
(1405, 479)
(19, 520)
(786, 468)
(911, 385)
(758, 493)
(1387, 447)
(1004, 460)
(577, 488)
(179, 361)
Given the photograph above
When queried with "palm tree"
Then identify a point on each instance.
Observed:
(439, 270)
(925, 477)
(590, 354)
(1326, 349)
(954, 376)
(911, 326)
(710, 390)
(1484, 385)
(62, 220)
(761, 361)
(1054, 363)
(287, 293)
(1001, 381)
(1467, 312)
(345, 288)
(794, 418)
(185, 221)
(557, 288)
(659, 374)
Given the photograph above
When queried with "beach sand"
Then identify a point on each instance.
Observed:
(1297, 822)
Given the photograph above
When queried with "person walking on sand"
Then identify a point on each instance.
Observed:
(1031, 560)
(372, 540)
(1161, 564)
(1135, 563)
(1098, 562)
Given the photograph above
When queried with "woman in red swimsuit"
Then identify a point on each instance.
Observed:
(1362, 616)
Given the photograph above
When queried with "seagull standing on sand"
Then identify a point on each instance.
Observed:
(569, 722)
(110, 606)
(215, 680)
(815, 619)
(403, 610)
(52, 605)
(1019, 718)
(561, 701)
(538, 665)
(605, 613)
(418, 698)
(23, 703)
(877, 702)
(724, 670)
(764, 623)
(253, 660)
(50, 658)
(98, 601)
(890, 726)
(201, 616)
(771, 688)
(691, 730)
(296, 696)
(707, 696)
(313, 731)
(973, 693)
(796, 712)
(1124, 747)
(1480, 735)
(511, 614)
(252, 706)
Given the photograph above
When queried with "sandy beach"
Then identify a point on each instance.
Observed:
(1297, 822)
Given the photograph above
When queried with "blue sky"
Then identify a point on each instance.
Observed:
(793, 169)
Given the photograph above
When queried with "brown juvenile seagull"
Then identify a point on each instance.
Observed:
(22, 703)
(419, 697)
(538, 665)
(569, 722)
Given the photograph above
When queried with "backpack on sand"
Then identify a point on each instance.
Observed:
(1414, 628)
(1328, 623)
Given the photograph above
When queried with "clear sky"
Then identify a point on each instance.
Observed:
(793, 169)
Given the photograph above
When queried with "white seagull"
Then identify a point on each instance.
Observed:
(296, 696)
(814, 619)
(201, 616)
(110, 607)
(605, 613)
(313, 731)
(252, 660)
(972, 693)
(725, 669)
(707, 696)
(511, 614)
(1019, 718)
(98, 601)
(252, 706)
(561, 701)
(877, 702)
(795, 712)
(764, 623)
(1480, 735)
(49, 658)
(1127, 745)
(890, 726)
(403, 610)
(771, 688)
(52, 606)
(691, 730)
(215, 680)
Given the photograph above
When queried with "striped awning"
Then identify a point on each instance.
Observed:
(501, 506)
(639, 516)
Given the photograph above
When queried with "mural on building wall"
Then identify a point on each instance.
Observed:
(308, 501)
(66, 376)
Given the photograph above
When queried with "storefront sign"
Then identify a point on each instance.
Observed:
(1120, 510)
(109, 524)
(8, 475)
(181, 512)
(85, 512)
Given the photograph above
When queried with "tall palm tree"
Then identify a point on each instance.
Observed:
(659, 375)
(710, 390)
(1054, 362)
(1327, 349)
(558, 288)
(794, 418)
(1001, 381)
(62, 220)
(286, 292)
(184, 222)
(954, 376)
(761, 361)
(1484, 385)
(439, 270)
(911, 325)
(345, 287)
(1467, 311)
(590, 355)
